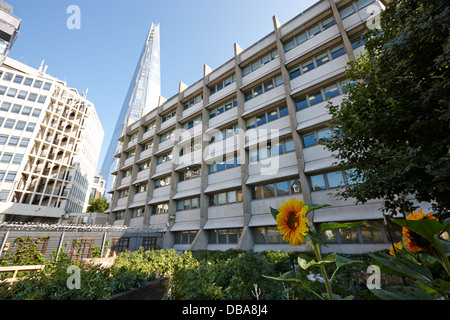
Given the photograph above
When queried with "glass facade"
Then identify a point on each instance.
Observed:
(144, 92)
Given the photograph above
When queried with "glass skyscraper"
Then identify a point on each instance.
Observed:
(143, 93)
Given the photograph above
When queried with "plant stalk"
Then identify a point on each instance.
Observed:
(322, 269)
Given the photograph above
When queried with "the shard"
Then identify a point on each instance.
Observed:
(143, 93)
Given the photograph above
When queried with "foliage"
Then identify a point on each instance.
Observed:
(97, 283)
(160, 262)
(97, 205)
(419, 266)
(393, 127)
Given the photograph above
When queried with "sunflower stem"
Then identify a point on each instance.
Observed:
(315, 246)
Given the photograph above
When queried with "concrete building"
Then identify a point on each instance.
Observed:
(50, 140)
(9, 29)
(98, 186)
(210, 161)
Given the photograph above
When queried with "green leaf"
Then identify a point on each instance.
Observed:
(313, 206)
(293, 281)
(314, 236)
(446, 224)
(274, 212)
(402, 267)
(401, 293)
(335, 225)
(426, 228)
(313, 263)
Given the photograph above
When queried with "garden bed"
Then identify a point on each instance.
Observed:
(154, 290)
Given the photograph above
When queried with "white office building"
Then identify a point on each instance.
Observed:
(50, 140)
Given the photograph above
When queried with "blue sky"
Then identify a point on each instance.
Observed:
(103, 53)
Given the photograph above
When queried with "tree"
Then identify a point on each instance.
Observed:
(393, 127)
(97, 205)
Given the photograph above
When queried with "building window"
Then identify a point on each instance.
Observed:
(147, 145)
(137, 212)
(144, 166)
(163, 182)
(276, 189)
(166, 136)
(261, 61)
(312, 139)
(224, 236)
(161, 208)
(13, 141)
(192, 123)
(222, 134)
(266, 117)
(149, 243)
(263, 88)
(119, 215)
(189, 173)
(11, 176)
(269, 149)
(314, 97)
(223, 83)
(371, 231)
(123, 193)
(142, 187)
(185, 237)
(268, 235)
(225, 162)
(6, 158)
(228, 197)
(222, 108)
(24, 142)
(317, 61)
(333, 179)
(308, 34)
(190, 147)
(193, 102)
(168, 116)
(164, 158)
(188, 204)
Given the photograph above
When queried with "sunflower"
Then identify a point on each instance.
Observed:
(291, 221)
(412, 240)
(397, 247)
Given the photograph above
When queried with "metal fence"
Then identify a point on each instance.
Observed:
(77, 241)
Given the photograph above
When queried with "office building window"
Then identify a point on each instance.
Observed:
(189, 173)
(314, 97)
(193, 102)
(268, 235)
(276, 189)
(267, 116)
(168, 116)
(223, 83)
(164, 158)
(161, 208)
(261, 61)
(6, 158)
(185, 237)
(226, 162)
(188, 204)
(222, 108)
(270, 149)
(333, 179)
(163, 182)
(312, 139)
(263, 88)
(232, 196)
(224, 236)
(137, 212)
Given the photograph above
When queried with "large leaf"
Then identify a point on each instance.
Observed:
(403, 267)
(342, 262)
(426, 228)
(314, 236)
(274, 212)
(335, 225)
(401, 293)
(313, 263)
(446, 224)
(313, 206)
(285, 278)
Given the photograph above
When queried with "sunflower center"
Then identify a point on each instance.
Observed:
(291, 220)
